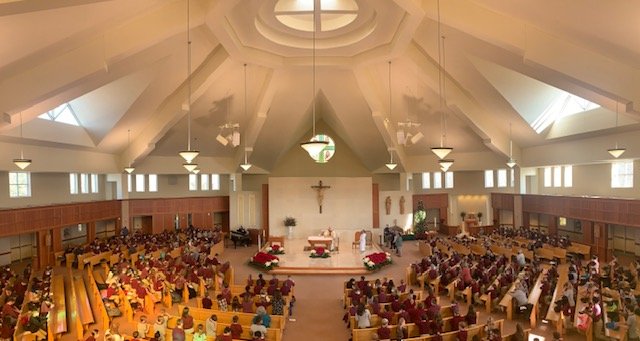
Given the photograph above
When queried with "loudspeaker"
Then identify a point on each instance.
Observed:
(172, 179)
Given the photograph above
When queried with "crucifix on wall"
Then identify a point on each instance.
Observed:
(320, 188)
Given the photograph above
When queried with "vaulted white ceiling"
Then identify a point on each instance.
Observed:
(122, 65)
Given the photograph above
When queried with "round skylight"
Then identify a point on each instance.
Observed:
(329, 15)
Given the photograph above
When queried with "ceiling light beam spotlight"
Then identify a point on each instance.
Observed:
(313, 147)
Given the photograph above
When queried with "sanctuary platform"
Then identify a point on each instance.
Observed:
(346, 261)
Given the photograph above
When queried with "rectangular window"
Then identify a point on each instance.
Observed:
(95, 187)
(153, 182)
(437, 180)
(568, 176)
(84, 183)
(193, 182)
(448, 180)
(139, 182)
(488, 178)
(513, 178)
(215, 182)
(204, 182)
(73, 183)
(502, 178)
(129, 183)
(547, 176)
(426, 180)
(557, 176)
(19, 184)
(622, 174)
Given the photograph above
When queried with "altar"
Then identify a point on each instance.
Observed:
(319, 240)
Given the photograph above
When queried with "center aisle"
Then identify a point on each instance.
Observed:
(318, 309)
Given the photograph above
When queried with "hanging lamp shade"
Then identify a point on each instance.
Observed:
(245, 166)
(617, 151)
(22, 163)
(314, 147)
(511, 163)
(195, 171)
(129, 169)
(189, 155)
(190, 166)
(391, 166)
(445, 164)
(441, 152)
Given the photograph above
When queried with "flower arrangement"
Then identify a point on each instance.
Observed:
(290, 221)
(377, 260)
(320, 252)
(275, 249)
(264, 261)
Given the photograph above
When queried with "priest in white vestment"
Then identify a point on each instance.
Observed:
(330, 233)
(363, 241)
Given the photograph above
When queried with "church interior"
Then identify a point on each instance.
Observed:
(470, 163)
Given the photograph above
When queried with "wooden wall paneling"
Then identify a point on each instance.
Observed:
(587, 231)
(375, 196)
(553, 225)
(56, 237)
(526, 220)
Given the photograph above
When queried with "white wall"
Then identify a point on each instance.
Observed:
(346, 206)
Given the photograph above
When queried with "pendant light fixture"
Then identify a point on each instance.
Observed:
(246, 165)
(441, 151)
(391, 165)
(511, 162)
(617, 151)
(313, 146)
(195, 171)
(129, 169)
(22, 163)
(445, 164)
(189, 155)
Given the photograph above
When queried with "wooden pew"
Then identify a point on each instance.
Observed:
(621, 333)
(579, 307)
(557, 318)
(201, 314)
(534, 298)
(424, 248)
(57, 317)
(218, 248)
(59, 257)
(127, 311)
(69, 258)
(84, 306)
(19, 332)
(580, 249)
(74, 310)
(102, 318)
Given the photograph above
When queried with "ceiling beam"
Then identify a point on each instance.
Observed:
(172, 109)
(460, 103)
(255, 123)
(25, 6)
(381, 117)
(541, 48)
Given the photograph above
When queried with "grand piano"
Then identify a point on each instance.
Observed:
(240, 236)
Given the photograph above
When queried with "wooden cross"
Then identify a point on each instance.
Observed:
(320, 188)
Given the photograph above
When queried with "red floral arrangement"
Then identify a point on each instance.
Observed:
(275, 249)
(264, 260)
(320, 252)
(375, 261)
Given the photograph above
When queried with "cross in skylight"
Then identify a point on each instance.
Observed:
(62, 114)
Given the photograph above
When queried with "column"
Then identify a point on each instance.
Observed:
(91, 231)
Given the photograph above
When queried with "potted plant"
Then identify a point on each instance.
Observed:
(420, 221)
(290, 222)
(479, 218)
(463, 214)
